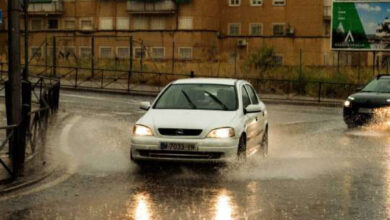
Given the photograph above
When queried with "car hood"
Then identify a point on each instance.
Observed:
(371, 99)
(188, 119)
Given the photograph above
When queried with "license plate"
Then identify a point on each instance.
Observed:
(366, 110)
(178, 147)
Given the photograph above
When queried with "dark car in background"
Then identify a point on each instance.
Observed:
(369, 103)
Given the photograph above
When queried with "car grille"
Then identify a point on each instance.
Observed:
(180, 154)
(179, 132)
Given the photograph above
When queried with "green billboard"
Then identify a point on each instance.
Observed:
(361, 25)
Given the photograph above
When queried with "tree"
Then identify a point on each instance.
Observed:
(262, 59)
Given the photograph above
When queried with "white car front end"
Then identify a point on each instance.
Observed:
(185, 136)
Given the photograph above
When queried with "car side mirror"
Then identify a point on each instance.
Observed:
(145, 106)
(253, 109)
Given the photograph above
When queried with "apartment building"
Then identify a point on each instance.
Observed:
(197, 30)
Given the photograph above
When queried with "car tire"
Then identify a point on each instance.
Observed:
(264, 143)
(241, 152)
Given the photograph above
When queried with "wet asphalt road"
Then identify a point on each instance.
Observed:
(317, 169)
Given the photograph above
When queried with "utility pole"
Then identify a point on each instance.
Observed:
(25, 9)
(14, 88)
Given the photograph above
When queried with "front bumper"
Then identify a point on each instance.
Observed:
(209, 150)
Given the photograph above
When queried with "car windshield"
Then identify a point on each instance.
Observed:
(381, 86)
(198, 96)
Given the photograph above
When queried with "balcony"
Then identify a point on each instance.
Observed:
(45, 7)
(158, 7)
(327, 12)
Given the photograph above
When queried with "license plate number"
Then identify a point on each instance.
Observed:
(366, 110)
(178, 147)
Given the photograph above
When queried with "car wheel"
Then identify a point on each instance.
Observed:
(241, 153)
(264, 143)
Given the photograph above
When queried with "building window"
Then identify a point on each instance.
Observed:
(185, 53)
(234, 29)
(138, 53)
(52, 24)
(122, 23)
(140, 23)
(186, 23)
(234, 2)
(123, 52)
(157, 23)
(68, 52)
(36, 24)
(86, 24)
(278, 29)
(158, 52)
(85, 52)
(105, 52)
(69, 24)
(279, 2)
(106, 24)
(256, 29)
(36, 52)
(256, 2)
(278, 60)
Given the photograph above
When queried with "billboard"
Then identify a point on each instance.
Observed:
(361, 25)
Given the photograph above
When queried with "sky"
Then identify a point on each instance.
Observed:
(372, 14)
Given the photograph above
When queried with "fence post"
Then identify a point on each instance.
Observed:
(93, 56)
(26, 109)
(300, 64)
(102, 80)
(130, 62)
(142, 56)
(319, 91)
(173, 57)
(54, 70)
(76, 77)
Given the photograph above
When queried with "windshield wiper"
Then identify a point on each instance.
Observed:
(216, 99)
(189, 99)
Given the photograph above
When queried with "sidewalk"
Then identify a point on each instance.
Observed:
(36, 171)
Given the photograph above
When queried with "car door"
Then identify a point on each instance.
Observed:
(259, 123)
(251, 126)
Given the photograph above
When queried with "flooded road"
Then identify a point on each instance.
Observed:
(317, 169)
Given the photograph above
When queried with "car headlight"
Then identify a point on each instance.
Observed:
(142, 130)
(347, 104)
(351, 98)
(221, 133)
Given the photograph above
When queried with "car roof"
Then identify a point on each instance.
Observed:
(220, 81)
(383, 76)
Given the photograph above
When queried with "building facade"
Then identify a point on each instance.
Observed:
(190, 30)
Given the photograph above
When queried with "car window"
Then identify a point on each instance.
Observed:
(245, 98)
(380, 86)
(252, 94)
(198, 96)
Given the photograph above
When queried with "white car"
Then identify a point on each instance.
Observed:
(201, 120)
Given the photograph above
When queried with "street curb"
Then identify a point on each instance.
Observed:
(111, 91)
(302, 103)
(154, 94)
(23, 184)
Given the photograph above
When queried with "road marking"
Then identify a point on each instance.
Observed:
(71, 169)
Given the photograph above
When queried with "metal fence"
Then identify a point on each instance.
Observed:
(45, 101)
(152, 82)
